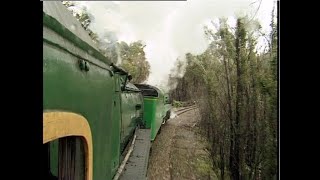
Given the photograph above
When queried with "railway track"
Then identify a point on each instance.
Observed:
(179, 111)
(185, 109)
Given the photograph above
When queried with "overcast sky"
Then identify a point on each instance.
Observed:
(169, 28)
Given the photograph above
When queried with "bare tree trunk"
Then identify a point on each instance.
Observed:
(229, 102)
(253, 131)
(235, 126)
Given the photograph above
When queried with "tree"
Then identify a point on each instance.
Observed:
(134, 61)
(130, 57)
(235, 90)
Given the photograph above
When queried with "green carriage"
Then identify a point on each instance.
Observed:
(156, 108)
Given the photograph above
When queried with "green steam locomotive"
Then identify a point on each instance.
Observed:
(91, 111)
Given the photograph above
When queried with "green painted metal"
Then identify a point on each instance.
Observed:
(130, 115)
(116, 123)
(150, 107)
(152, 115)
(93, 93)
(154, 111)
(78, 78)
(90, 94)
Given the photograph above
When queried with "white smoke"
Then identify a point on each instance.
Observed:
(169, 29)
(173, 113)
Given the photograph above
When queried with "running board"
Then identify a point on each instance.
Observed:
(137, 164)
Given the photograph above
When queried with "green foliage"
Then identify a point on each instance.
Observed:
(68, 3)
(203, 165)
(134, 61)
(230, 71)
(177, 104)
(131, 57)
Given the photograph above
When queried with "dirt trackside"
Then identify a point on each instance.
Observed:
(179, 152)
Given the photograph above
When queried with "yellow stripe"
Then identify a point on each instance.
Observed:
(62, 124)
